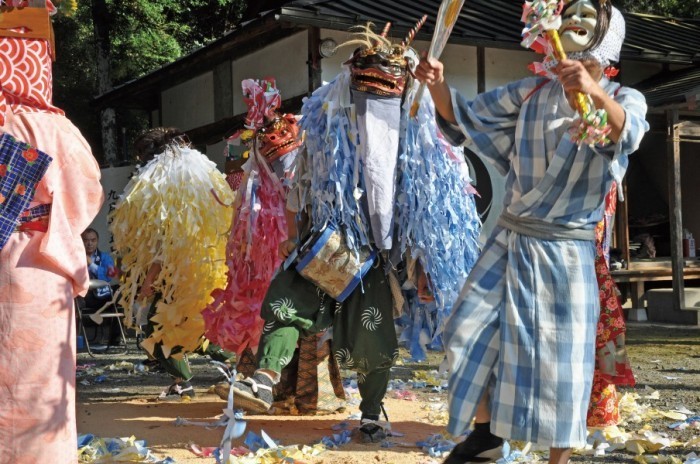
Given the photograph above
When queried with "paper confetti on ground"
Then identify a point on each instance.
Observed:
(92, 449)
(634, 436)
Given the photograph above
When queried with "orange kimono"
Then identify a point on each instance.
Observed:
(41, 272)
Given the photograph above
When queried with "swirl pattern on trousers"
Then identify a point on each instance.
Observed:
(283, 309)
(344, 358)
(371, 318)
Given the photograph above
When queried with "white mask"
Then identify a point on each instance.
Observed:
(579, 21)
(609, 48)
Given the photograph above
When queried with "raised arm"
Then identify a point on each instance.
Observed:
(431, 71)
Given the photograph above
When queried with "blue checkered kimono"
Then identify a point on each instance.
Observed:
(524, 325)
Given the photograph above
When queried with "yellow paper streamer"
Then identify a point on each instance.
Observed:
(168, 214)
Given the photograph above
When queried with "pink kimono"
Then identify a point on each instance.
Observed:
(41, 272)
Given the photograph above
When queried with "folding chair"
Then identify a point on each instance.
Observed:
(108, 311)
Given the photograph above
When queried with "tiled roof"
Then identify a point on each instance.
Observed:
(671, 87)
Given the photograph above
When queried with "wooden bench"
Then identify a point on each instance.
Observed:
(652, 270)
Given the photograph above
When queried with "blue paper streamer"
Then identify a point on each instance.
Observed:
(438, 221)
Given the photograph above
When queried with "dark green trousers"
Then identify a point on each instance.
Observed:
(364, 338)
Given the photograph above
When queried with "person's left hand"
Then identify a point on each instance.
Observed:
(146, 290)
(285, 248)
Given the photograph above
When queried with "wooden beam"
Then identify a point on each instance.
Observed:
(480, 69)
(689, 129)
(314, 58)
(622, 225)
(673, 157)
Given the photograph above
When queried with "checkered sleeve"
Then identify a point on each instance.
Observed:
(635, 107)
(489, 122)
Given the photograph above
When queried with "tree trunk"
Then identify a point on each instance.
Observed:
(101, 21)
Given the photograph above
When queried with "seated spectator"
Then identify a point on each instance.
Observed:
(100, 264)
(100, 267)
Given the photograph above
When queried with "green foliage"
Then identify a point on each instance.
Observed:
(74, 71)
(147, 34)
(677, 8)
(144, 35)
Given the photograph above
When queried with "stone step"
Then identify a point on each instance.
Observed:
(660, 306)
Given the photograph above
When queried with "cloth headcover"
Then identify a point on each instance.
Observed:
(608, 50)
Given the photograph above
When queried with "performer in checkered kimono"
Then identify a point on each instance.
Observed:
(523, 330)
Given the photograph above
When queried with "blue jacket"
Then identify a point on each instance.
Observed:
(99, 264)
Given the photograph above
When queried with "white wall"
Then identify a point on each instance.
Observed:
(190, 104)
(330, 67)
(284, 60)
(504, 66)
(460, 67)
(113, 181)
(155, 118)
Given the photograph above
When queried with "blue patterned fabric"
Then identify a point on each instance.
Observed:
(525, 325)
(548, 176)
(21, 168)
(526, 318)
(437, 221)
(35, 212)
(335, 182)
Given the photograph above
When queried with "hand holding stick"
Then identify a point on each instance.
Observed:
(446, 19)
(543, 18)
(560, 54)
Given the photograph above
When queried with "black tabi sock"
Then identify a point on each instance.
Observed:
(483, 428)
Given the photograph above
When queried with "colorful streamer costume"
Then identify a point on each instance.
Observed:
(259, 224)
(526, 320)
(388, 183)
(312, 381)
(612, 366)
(173, 212)
(48, 163)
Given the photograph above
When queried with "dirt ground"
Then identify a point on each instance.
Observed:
(121, 403)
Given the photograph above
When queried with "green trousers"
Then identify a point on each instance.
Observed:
(181, 367)
(364, 338)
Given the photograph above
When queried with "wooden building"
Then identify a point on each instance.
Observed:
(293, 41)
